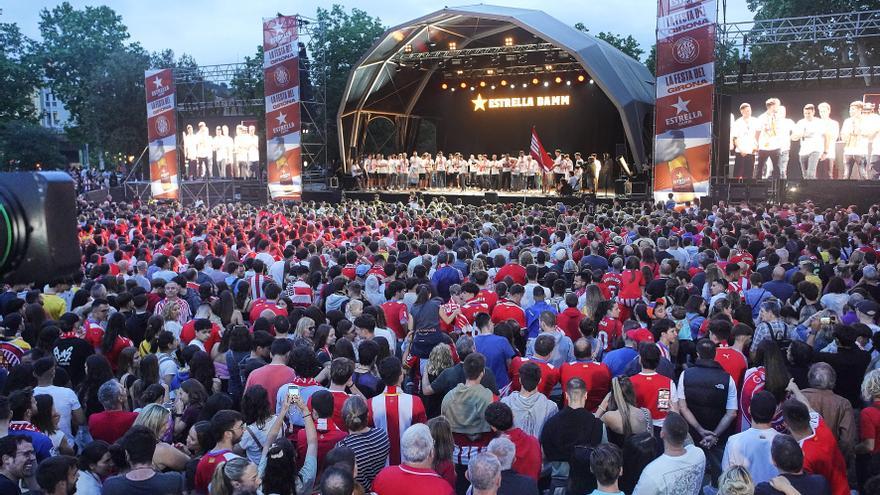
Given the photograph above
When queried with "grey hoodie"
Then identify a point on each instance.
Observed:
(530, 413)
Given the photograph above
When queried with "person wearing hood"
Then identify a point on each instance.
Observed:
(531, 409)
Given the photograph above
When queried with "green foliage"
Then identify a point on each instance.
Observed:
(19, 74)
(627, 44)
(25, 144)
(347, 35)
(651, 60)
(247, 84)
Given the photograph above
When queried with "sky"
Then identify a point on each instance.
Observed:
(224, 31)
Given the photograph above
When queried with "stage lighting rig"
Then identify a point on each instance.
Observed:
(625, 166)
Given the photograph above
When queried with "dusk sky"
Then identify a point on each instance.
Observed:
(223, 31)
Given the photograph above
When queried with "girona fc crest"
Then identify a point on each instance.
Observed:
(685, 50)
(162, 125)
(282, 77)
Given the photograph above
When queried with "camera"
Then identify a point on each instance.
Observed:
(38, 230)
(293, 391)
(828, 320)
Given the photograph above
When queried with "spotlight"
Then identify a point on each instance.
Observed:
(535, 81)
(548, 67)
(407, 48)
(525, 85)
(558, 80)
(591, 81)
(793, 189)
(472, 88)
(463, 85)
(444, 86)
(453, 45)
(508, 41)
(459, 72)
(490, 71)
(504, 82)
(492, 86)
(622, 161)
(546, 84)
(453, 90)
(581, 78)
(397, 35)
(482, 84)
(568, 83)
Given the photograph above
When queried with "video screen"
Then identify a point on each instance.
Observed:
(801, 135)
(219, 147)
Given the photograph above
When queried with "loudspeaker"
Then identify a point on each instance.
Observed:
(491, 197)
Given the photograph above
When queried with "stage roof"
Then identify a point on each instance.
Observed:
(377, 83)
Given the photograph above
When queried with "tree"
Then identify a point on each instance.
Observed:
(336, 46)
(247, 84)
(19, 74)
(836, 53)
(651, 60)
(23, 145)
(627, 44)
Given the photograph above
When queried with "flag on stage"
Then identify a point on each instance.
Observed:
(538, 153)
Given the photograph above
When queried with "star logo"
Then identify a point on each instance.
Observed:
(277, 28)
(479, 103)
(281, 118)
(681, 106)
(158, 82)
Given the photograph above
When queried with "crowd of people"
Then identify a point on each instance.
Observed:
(369, 347)
(485, 172)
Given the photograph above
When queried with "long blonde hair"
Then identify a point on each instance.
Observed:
(301, 326)
(166, 310)
(439, 359)
(736, 481)
(225, 473)
(154, 417)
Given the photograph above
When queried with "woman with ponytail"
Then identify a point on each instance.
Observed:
(237, 476)
(114, 340)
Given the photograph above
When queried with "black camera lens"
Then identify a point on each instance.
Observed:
(13, 231)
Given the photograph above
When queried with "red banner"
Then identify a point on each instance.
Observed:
(685, 88)
(162, 133)
(281, 76)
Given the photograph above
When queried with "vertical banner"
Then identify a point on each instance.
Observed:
(685, 86)
(281, 80)
(162, 133)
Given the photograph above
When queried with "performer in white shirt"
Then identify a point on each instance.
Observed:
(872, 120)
(743, 142)
(217, 148)
(810, 132)
(440, 170)
(558, 174)
(786, 126)
(596, 165)
(494, 173)
(534, 174)
(855, 137)
(239, 168)
(516, 173)
(831, 133)
(253, 149)
(769, 138)
(190, 151)
(203, 150)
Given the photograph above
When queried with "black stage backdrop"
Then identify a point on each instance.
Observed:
(590, 124)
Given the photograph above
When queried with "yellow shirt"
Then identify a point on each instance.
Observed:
(54, 306)
(145, 348)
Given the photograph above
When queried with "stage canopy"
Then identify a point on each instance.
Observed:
(453, 45)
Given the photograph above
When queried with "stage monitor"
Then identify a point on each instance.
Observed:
(220, 147)
(822, 134)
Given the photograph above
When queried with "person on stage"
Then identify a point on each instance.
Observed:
(253, 152)
(441, 167)
(241, 150)
(357, 173)
(507, 162)
(203, 151)
(482, 171)
(558, 175)
(831, 133)
(769, 139)
(810, 132)
(855, 137)
(567, 167)
(536, 171)
(415, 165)
(743, 142)
(517, 172)
(786, 126)
(190, 151)
(454, 171)
(872, 120)
(217, 144)
(495, 173)
(384, 172)
(596, 167)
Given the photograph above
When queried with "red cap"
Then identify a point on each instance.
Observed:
(640, 335)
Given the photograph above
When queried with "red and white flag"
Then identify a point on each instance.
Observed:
(538, 153)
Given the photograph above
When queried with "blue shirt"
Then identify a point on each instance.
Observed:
(445, 278)
(533, 315)
(595, 261)
(780, 289)
(42, 443)
(497, 351)
(618, 359)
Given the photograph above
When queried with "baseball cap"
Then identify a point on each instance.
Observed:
(867, 307)
(362, 270)
(561, 254)
(640, 335)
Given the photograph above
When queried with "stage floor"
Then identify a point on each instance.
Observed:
(451, 191)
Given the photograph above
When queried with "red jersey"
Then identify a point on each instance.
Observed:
(488, 297)
(613, 282)
(597, 376)
(509, 310)
(569, 321)
(349, 271)
(610, 329)
(328, 436)
(654, 392)
(94, 333)
(339, 398)
(261, 305)
(631, 284)
(515, 271)
(394, 412)
(402, 480)
(396, 317)
(733, 362)
(188, 333)
(472, 307)
(528, 453)
(458, 323)
(822, 456)
(206, 467)
(549, 374)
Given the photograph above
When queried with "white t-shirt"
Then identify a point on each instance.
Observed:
(389, 336)
(751, 449)
(65, 403)
(855, 137)
(731, 393)
(812, 135)
(667, 475)
(743, 132)
(250, 445)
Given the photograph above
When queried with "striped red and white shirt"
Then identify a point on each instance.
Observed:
(300, 293)
(394, 412)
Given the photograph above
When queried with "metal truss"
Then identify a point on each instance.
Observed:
(476, 52)
(826, 27)
(519, 70)
(803, 75)
(195, 106)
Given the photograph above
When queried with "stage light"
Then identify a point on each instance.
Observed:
(463, 85)
(581, 78)
(472, 88)
(453, 90)
(568, 83)
(305, 163)
(444, 86)
(508, 41)
(548, 67)
(591, 81)
(546, 84)
(558, 80)
(397, 35)
(490, 71)
(482, 84)
(492, 86)
(535, 81)
(453, 45)
(622, 161)
(459, 72)
(407, 48)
